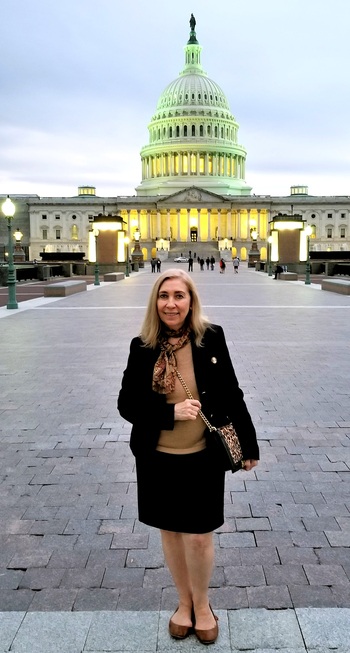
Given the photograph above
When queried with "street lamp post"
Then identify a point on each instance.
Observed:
(127, 270)
(97, 269)
(308, 232)
(8, 209)
(269, 240)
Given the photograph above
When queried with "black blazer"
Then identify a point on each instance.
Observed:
(220, 395)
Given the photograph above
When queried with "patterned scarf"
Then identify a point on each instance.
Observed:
(164, 373)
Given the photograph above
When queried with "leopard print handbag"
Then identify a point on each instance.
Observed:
(225, 436)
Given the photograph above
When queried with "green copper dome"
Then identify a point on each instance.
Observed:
(193, 135)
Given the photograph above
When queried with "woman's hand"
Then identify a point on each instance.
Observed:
(187, 409)
(249, 464)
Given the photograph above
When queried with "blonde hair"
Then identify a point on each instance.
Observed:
(152, 323)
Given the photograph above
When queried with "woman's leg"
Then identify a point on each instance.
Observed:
(190, 560)
(174, 553)
(199, 554)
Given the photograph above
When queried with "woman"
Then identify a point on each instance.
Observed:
(180, 481)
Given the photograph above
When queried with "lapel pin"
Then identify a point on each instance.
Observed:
(214, 360)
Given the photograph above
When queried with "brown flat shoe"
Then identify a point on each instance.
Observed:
(208, 636)
(177, 631)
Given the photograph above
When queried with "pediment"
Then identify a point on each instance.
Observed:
(192, 194)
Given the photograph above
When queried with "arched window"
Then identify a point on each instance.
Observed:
(193, 130)
(208, 130)
(177, 131)
(185, 130)
(201, 130)
(216, 132)
(74, 232)
(170, 132)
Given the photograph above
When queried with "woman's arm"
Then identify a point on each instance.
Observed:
(137, 402)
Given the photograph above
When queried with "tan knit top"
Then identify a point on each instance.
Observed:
(187, 435)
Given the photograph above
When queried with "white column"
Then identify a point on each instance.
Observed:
(178, 236)
(229, 224)
(198, 224)
(148, 225)
(188, 225)
(239, 223)
(158, 233)
(209, 223)
(168, 223)
(219, 224)
(128, 221)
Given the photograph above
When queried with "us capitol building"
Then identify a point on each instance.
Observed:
(193, 193)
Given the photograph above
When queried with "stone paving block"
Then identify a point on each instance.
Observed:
(253, 524)
(15, 600)
(9, 624)
(116, 578)
(273, 539)
(295, 555)
(130, 541)
(93, 541)
(271, 597)
(309, 539)
(326, 575)
(139, 632)
(228, 540)
(245, 576)
(304, 596)
(37, 579)
(61, 632)
(108, 558)
(53, 600)
(10, 579)
(338, 538)
(39, 558)
(254, 629)
(69, 559)
(325, 627)
(285, 574)
(96, 599)
(75, 578)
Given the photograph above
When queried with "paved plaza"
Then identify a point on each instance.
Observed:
(78, 572)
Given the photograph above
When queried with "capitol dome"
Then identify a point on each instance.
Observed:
(193, 135)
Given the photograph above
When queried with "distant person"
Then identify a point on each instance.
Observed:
(190, 264)
(278, 270)
(222, 266)
(235, 264)
(153, 264)
(201, 262)
(207, 260)
(159, 264)
(212, 263)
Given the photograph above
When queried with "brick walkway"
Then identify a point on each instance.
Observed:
(72, 549)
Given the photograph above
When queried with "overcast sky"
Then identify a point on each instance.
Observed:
(80, 81)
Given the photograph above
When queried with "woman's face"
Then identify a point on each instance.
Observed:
(173, 303)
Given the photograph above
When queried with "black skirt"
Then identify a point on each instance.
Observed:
(183, 493)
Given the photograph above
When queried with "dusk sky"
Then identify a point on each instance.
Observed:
(80, 81)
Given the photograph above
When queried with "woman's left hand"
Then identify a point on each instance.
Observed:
(249, 464)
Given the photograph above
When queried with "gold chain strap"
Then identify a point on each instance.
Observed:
(190, 396)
